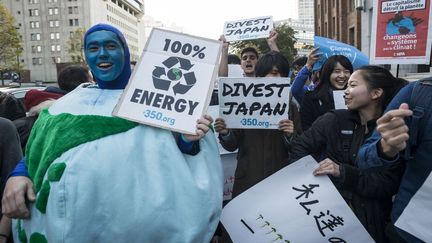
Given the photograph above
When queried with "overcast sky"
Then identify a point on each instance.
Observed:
(206, 18)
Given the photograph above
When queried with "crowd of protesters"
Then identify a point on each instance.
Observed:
(41, 134)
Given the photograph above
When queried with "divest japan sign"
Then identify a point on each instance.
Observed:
(248, 29)
(258, 103)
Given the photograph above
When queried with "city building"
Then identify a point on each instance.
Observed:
(304, 34)
(350, 21)
(49, 29)
(339, 20)
(150, 23)
(306, 11)
(303, 26)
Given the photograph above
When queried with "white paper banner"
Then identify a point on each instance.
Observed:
(248, 29)
(171, 85)
(416, 218)
(292, 205)
(229, 159)
(258, 103)
(339, 101)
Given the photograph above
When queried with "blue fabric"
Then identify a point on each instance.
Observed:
(122, 80)
(298, 87)
(20, 169)
(184, 145)
(416, 171)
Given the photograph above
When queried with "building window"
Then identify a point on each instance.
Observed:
(351, 36)
(35, 36)
(70, 10)
(58, 48)
(37, 60)
(34, 24)
(351, 5)
(73, 22)
(36, 49)
(58, 36)
(333, 28)
(57, 23)
(52, 48)
(34, 12)
(56, 11)
(75, 10)
(50, 11)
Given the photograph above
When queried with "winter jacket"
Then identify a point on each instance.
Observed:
(312, 107)
(10, 150)
(338, 135)
(417, 169)
(10, 107)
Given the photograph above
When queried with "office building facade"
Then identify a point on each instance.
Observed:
(49, 29)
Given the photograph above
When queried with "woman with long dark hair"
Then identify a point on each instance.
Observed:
(337, 137)
(333, 75)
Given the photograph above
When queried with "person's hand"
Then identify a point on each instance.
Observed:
(312, 58)
(220, 126)
(225, 43)
(271, 40)
(393, 130)
(17, 190)
(272, 36)
(203, 126)
(327, 167)
(286, 126)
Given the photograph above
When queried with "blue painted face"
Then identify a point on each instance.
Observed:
(105, 55)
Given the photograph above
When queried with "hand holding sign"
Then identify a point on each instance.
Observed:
(220, 126)
(203, 126)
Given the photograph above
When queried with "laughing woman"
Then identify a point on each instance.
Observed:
(337, 135)
(333, 75)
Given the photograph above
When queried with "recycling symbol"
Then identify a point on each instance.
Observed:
(177, 68)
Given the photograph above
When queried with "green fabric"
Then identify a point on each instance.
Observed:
(52, 135)
(38, 238)
(21, 232)
(42, 198)
(55, 171)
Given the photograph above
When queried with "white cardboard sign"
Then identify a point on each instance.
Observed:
(172, 82)
(229, 159)
(416, 218)
(292, 205)
(339, 100)
(248, 29)
(258, 103)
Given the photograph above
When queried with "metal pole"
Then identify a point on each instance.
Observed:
(397, 70)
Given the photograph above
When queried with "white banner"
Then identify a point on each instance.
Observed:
(339, 100)
(258, 103)
(248, 29)
(229, 159)
(292, 205)
(416, 218)
(171, 84)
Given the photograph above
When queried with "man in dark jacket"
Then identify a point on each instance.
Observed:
(10, 107)
(10, 154)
